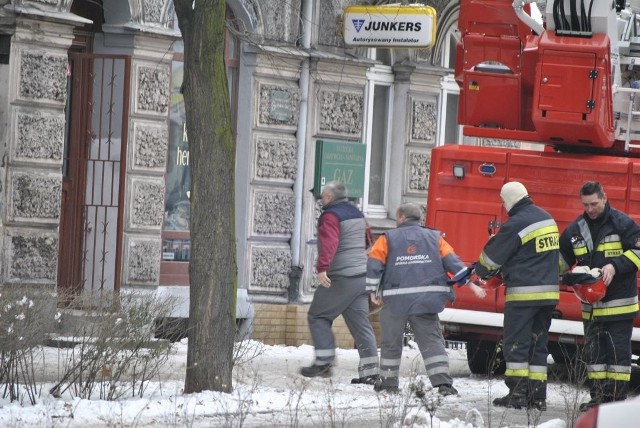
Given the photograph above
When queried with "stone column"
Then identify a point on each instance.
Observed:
(31, 168)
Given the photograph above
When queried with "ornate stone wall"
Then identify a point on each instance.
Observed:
(422, 123)
(146, 203)
(277, 105)
(39, 137)
(273, 172)
(340, 111)
(272, 212)
(143, 261)
(34, 65)
(148, 142)
(269, 267)
(275, 158)
(281, 20)
(32, 256)
(31, 197)
(424, 119)
(34, 196)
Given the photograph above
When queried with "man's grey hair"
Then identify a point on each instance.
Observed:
(411, 211)
(336, 189)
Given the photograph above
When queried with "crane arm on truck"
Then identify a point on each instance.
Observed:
(567, 82)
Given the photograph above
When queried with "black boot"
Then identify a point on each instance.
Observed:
(511, 401)
(381, 387)
(540, 405)
(446, 389)
(367, 380)
(316, 371)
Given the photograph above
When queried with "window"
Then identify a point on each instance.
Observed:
(378, 105)
(449, 132)
(176, 243)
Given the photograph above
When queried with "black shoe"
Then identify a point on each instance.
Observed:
(316, 371)
(511, 402)
(446, 389)
(367, 380)
(586, 406)
(540, 405)
(380, 387)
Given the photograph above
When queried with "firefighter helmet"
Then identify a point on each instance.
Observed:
(587, 287)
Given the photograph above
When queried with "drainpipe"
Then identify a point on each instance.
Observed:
(518, 6)
(301, 135)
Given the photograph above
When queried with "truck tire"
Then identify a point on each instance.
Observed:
(485, 358)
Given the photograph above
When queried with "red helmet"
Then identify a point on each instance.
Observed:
(587, 288)
(590, 292)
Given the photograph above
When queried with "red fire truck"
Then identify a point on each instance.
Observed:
(568, 83)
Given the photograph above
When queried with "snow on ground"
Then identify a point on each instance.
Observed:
(268, 391)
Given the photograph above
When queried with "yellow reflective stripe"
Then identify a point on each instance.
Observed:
(603, 312)
(517, 372)
(537, 376)
(609, 246)
(631, 255)
(552, 295)
(580, 251)
(596, 375)
(547, 230)
(486, 261)
(619, 376)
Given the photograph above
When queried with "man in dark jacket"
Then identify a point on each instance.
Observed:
(341, 268)
(525, 252)
(603, 237)
(408, 268)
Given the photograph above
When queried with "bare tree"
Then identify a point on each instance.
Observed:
(213, 269)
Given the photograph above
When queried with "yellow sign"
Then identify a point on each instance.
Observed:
(412, 26)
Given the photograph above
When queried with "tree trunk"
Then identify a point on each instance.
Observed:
(213, 270)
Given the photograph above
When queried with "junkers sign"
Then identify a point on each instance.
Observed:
(387, 26)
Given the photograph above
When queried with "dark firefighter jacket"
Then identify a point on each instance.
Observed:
(525, 252)
(409, 264)
(617, 242)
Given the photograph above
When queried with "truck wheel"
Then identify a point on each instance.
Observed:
(485, 358)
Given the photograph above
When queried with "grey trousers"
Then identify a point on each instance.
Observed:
(346, 297)
(428, 334)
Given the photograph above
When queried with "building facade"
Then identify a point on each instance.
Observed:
(94, 182)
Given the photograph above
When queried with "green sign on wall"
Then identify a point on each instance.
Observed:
(341, 161)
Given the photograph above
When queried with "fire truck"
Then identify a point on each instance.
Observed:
(565, 84)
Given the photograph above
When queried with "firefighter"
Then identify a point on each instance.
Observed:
(525, 252)
(341, 269)
(603, 237)
(407, 269)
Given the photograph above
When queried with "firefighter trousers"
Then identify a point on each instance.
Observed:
(526, 334)
(608, 356)
(347, 297)
(428, 335)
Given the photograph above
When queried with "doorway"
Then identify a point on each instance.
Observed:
(93, 172)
